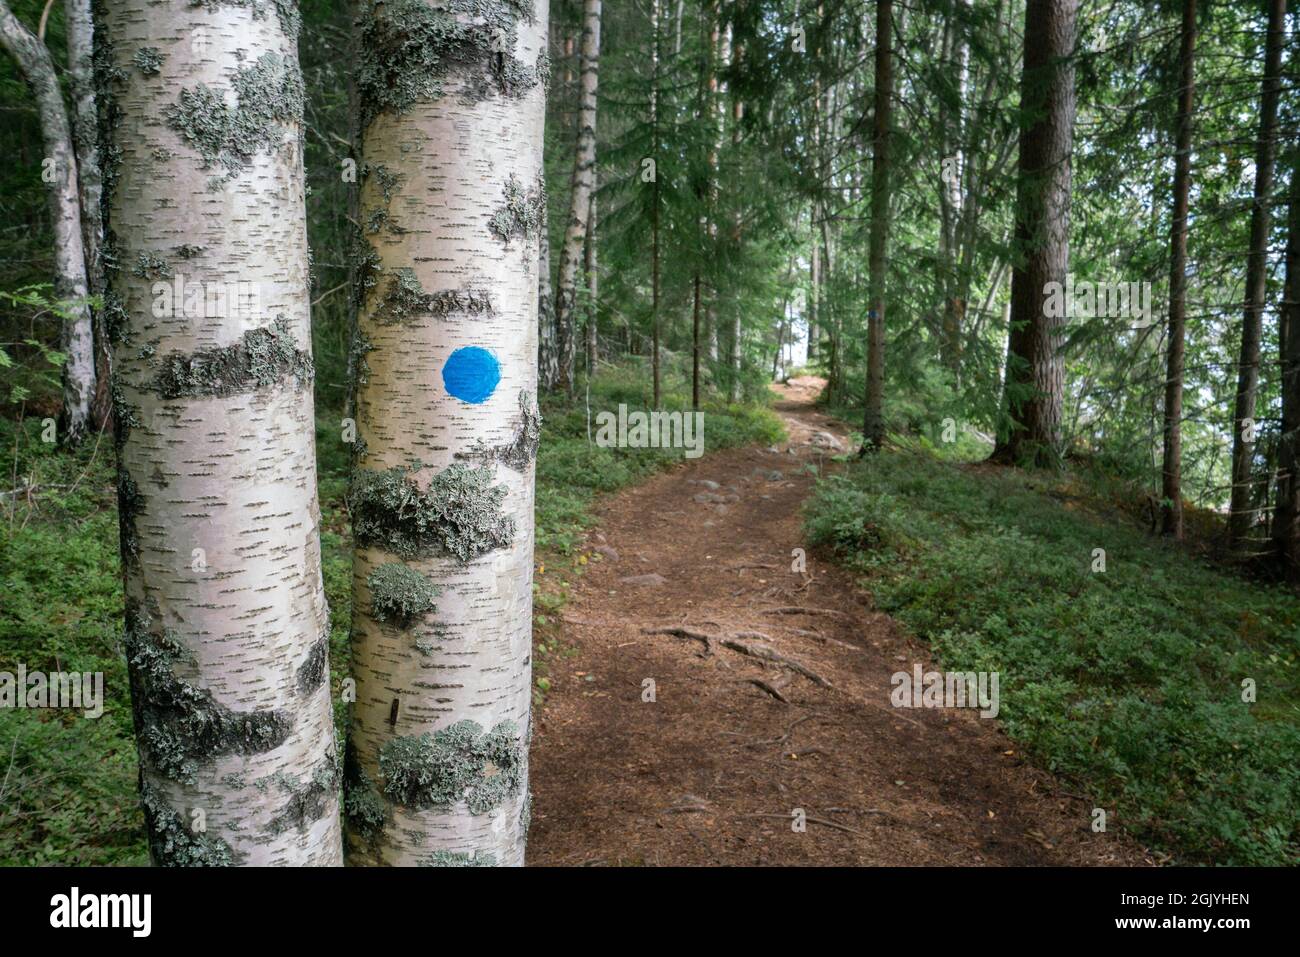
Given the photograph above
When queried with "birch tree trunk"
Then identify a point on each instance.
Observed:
(1035, 374)
(873, 429)
(59, 173)
(227, 629)
(453, 106)
(78, 25)
(548, 360)
(591, 267)
(1241, 515)
(1172, 470)
(584, 172)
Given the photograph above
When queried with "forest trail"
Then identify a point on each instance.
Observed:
(710, 771)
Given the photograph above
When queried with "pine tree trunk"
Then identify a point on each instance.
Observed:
(227, 628)
(59, 174)
(442, 493)
(584, 172)
(1286, 520)
(873, 429)
(79, 26)
(1171, 522)
(1035, 373)
(1242, 513)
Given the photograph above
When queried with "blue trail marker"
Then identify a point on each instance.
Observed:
(471, 374)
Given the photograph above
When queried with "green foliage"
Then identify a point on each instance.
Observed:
(1129, 680)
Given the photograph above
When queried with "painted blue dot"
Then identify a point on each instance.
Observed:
(471, 374)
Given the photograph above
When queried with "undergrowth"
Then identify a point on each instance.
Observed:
(1128, 680)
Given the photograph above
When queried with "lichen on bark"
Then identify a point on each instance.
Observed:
(458, 514)
(409, 49)
(149, 265)
(269, 94)
(405, 300)
(148, 60)
(171, 843)
(314, 667)
(457, 859)
(520, 451)
(399, 594)
(178, 724)
(458, 762)
(265, 357)
(523, 213)
(309, 800)
(363, 805)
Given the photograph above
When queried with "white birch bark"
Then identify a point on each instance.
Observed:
(442, 493)
(78, 25)
(584, 173)
(548, 360)
(59, 174)
(227, 624)
(591, 268)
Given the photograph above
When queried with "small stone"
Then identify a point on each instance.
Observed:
(650, 580)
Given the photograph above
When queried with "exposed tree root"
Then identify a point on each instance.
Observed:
(802, 610)
(758, 650)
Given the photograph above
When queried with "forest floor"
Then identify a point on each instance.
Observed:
(711, 770)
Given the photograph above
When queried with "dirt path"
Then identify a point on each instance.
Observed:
(710, 771)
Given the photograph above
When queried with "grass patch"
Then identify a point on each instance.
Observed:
(1128, 681)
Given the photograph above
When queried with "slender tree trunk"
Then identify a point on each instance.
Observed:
(1242, 513)
(227, 628)
(873, 429)
(695, 345)
(814, 285)
(79, 26)
(442, 496)
(59, 173)
(737, 225)
(548, 370)
(952, 198)
(584, 171)
(719, 54)
(591, 265)
(654, 209)
(1035, 373)
(1286, 520)
(1172, 479)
